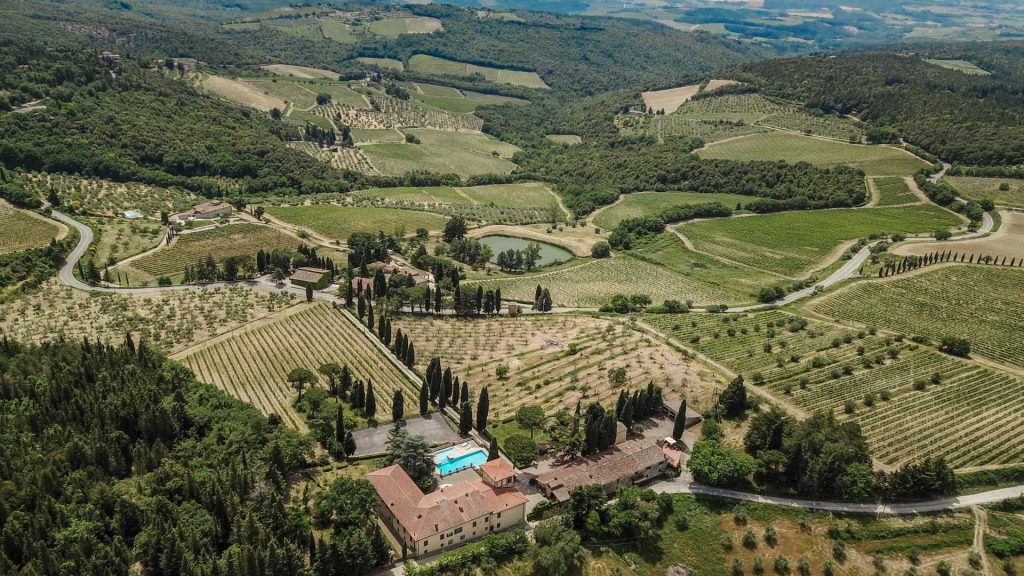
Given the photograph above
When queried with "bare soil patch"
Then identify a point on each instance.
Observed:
(670, 100)
(1007, 241)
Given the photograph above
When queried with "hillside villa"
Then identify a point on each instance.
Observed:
(318, 278)
(625, 464)
(208, 211)
(452, 515)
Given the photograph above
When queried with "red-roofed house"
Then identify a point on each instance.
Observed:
(446, 518)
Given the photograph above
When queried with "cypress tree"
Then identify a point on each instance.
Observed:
(479, 298)
(370, 409)
(435, 384)
(424, 398)
(361, 306)
(492, 450)
(410, 356)
(446, 385)
(369, 316)
(483, 405)
(437, 299)
(537, 294)
(465, 390)
(387, 333)
(680, 424)
(397, 407)
(455, 392)
(627, 415)
(339, 425)
(497, 300)
(465, 419)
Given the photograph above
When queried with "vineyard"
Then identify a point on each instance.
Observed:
(553, 361)
(462, 153)
(982, 304)
(21, 231)
(387, 112)
(793, 243)
(220, 243)
(876, 380)
(520, 203)
(893, 190)
(340, 222)
(252, 363)
(454, 100)
(302, 92)
(593, 283)
(339, 157)
(642, 204)
(171, 321)
(106, 198)
(990, 189)
(873, 160)
(433, 65)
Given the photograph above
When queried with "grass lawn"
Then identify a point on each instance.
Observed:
(341, 221)
(642, 204)
(20, 230)
(434, 65)
(873, 160)
(990, 189)
(463, 153)
(793, 243)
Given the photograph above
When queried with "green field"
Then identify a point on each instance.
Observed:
(395, 27)
(302, 92)
(21, 231)
(461, 153)
(117, 238)
(389, 63)
(982, 304)
(989, 189)
(231, 240)
(642, 204)
(341, 221)
(960, 66)
(106, 198)
(338, 31)
(873, 160)
(433, 65)
(519, 203)
(453, 100)
(893, 190)
(794, 243)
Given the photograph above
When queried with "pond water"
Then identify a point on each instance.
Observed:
(549, 253)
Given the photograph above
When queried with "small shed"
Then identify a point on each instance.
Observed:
(318, 278)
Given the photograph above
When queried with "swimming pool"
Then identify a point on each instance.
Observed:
(457, 458)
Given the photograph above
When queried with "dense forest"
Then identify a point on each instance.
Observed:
(965, 119)
(112, 457)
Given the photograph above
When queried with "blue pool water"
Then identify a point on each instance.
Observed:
(132, 214)
(446, 465)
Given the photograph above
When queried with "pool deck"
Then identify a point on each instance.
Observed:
(455, 452)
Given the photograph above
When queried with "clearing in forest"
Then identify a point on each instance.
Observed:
(300, 71)
(395, 27)
(554, 361)
(671, 99)
(466, 154)
(340, 222)
(642, 204)
(241, 92)
(388, 63)
(426, 64)
(565, 139)
(1002, 191)
(977, 302)
(795, 243)
(1005, 243)
(454, 100)
(969, 68)
(20, 230)
(253, 363)
(873, 160)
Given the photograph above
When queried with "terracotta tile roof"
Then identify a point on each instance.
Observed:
(305, 274)
(616, 463)
(497, 470)
(423, 515)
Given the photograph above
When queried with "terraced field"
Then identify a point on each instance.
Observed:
(893, 190)
(340, 222)
(253, 363)
(793, 243)
(433, 65)
(961, 411)
(554, 361)
(387, 112)
(873, 160)
(231, 240)
(106, 198)
(980, 303)
(21, 231)
(642, 204)
(342, 158)
(594, 282)
(990, 189)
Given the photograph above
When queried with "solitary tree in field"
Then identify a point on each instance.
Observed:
(492, 450)
(483, 406)
(299, 378)
(397, 407)
(680, 424)
(424, 398)
(370, 408)
(465, 418)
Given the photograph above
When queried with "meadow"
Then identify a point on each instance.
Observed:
(519, 203)
(455, 100)
(671, 99)
(642, 204)
(439, 66)
(302, 93)
(893, 191)
(337, 31)
(237, 91)
(554, 361)
(395, 27)
(964, 66)
(980, 303)
(465, 154)
(794, 243)
(106, 198)
(990, 189)
(20, 230)
(386, 63)
(171, 320)
(252, 363)
(873, 379)
(873, 160)
(222, 242)
(340, 222)
(300, 71)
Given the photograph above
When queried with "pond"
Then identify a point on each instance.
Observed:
(549, 253)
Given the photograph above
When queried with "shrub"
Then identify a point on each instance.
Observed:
(749, 539)
(521, 450)
(727, 542)
(758, 566)
(839, 550)
(771, 537)
(781, 565)
(601, 249)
